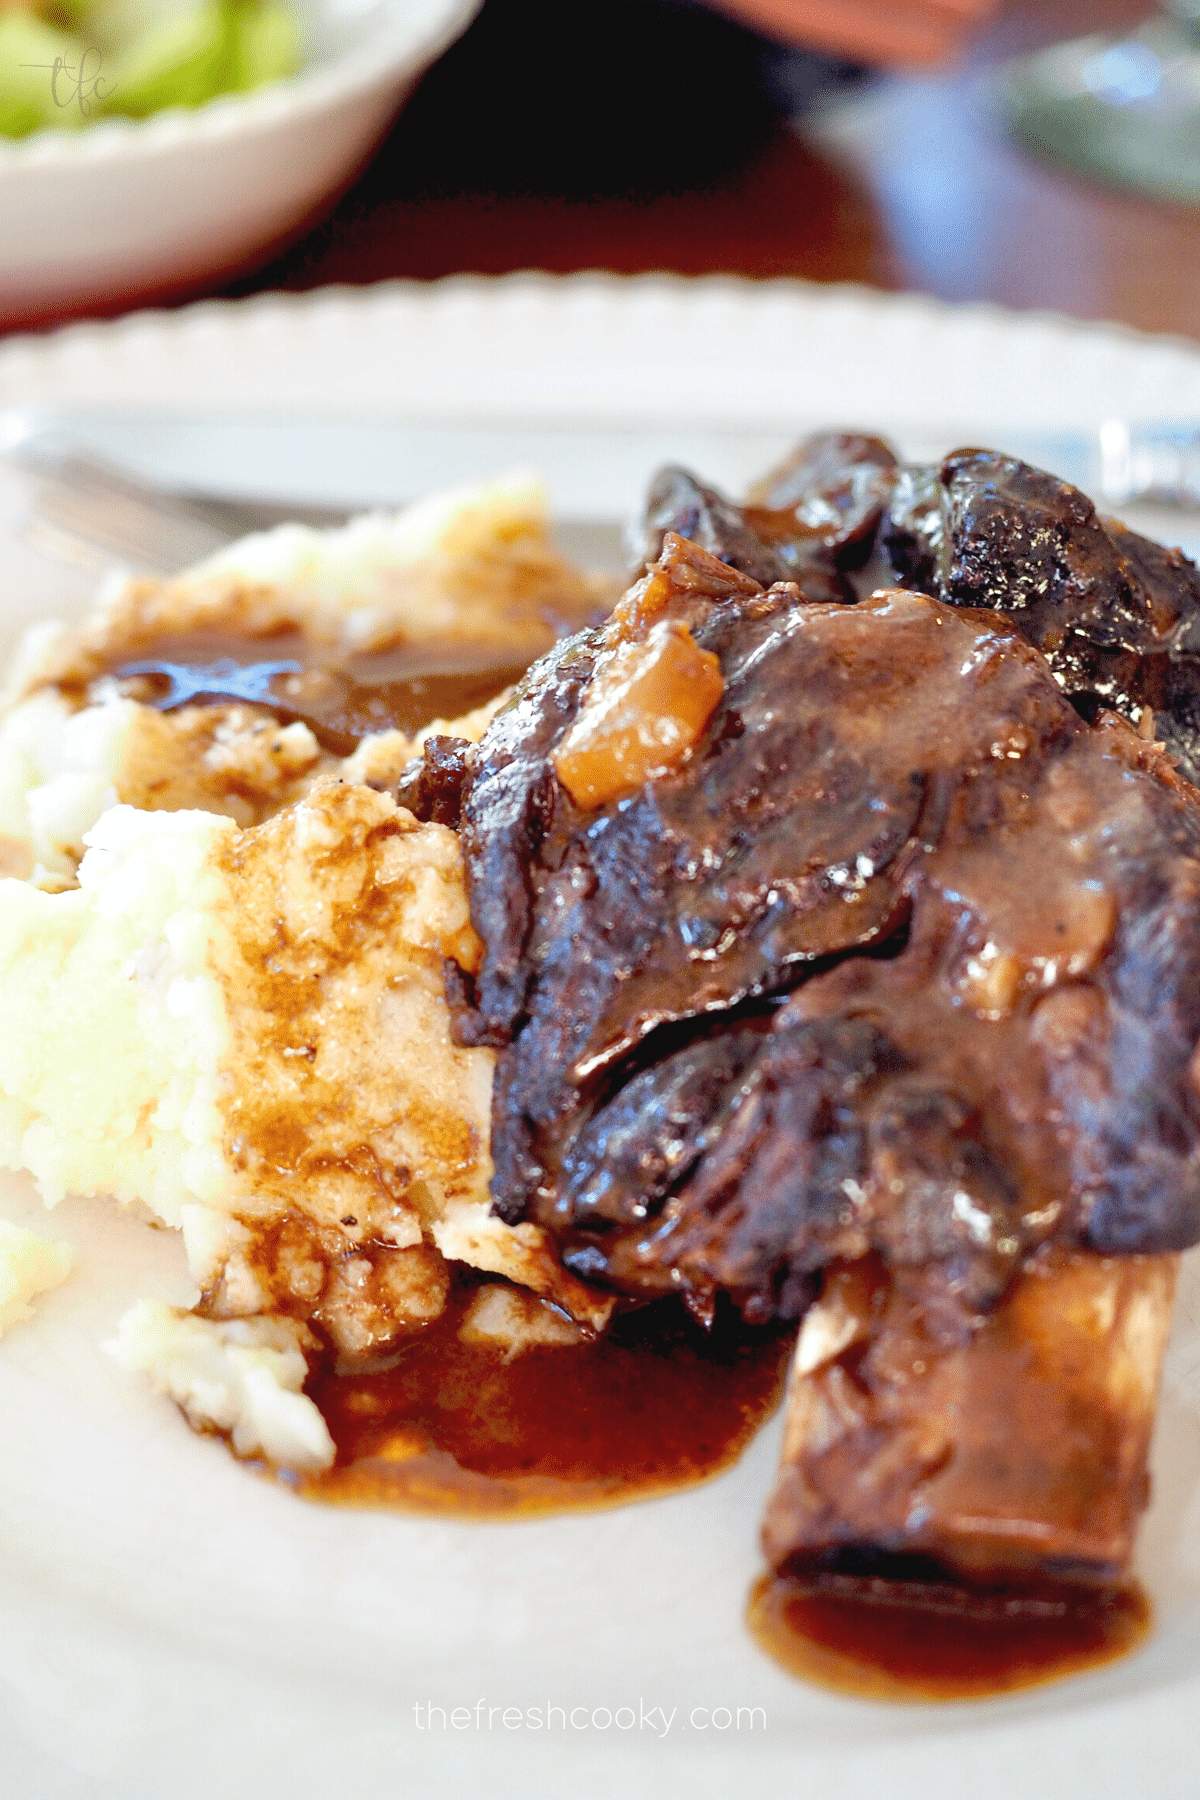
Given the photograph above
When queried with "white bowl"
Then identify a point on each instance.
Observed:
(130, 208)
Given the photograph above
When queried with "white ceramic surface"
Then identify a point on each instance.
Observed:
(129, 206)
(170, 1625)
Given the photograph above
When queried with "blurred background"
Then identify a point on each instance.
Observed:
(835, 140)
(650, 134)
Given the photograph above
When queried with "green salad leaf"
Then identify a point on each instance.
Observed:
(34, 85)
(65, 62)
(180, 61)
(264, 46)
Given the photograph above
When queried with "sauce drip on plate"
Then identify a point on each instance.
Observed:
(655, 1404)
(886, 1640)
(450, 1427)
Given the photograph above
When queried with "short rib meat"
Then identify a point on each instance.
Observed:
(843, 969)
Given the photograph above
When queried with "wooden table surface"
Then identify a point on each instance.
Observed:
(908, 182)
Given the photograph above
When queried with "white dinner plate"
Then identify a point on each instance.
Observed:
(173, 1625)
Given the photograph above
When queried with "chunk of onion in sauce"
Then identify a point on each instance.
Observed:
(646, 707)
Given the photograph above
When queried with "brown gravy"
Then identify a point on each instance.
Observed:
(656, 1404)
(652, 1405)
(341, 703)
(882, 1640)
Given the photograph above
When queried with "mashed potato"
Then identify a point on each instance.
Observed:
(474, 567)
(29, 1265)
(243, 1378)
(246, 1031)
(221, 957)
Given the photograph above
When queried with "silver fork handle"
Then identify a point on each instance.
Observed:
(77, 508)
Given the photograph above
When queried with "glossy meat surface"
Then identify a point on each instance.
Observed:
(979, 909)
(771, 543)
(1116, 615)
(811, 520)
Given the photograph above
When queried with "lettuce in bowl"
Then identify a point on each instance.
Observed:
(65, 63)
